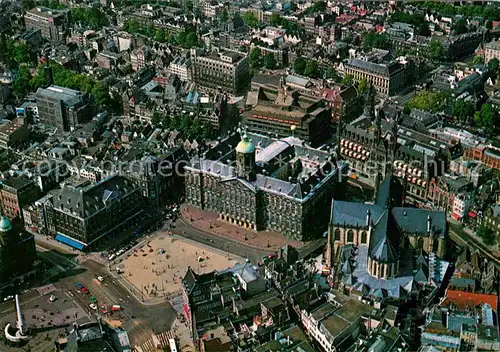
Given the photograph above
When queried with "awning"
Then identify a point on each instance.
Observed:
(472, 214)
(70, 242)
(456, 216)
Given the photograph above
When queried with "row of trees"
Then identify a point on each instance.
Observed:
(375, 40)
(13, 54)
(188, 126)
(187, 38)
(305, 67)
(428, 101)
(26, 82)
(257, 61)
(487, 235)
(92, 17)
(51, 4)
(487, 12)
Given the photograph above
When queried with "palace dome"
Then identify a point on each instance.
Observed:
(5, 224)
(245, 146)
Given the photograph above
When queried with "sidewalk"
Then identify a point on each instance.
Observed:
(209, 222)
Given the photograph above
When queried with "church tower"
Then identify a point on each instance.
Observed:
(245, 158)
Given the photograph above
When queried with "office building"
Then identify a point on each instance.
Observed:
(13, 133)
(51, 23)
(63, 108)
(16, 193)
(87, 216)
(17, 251)
(226, 71)
(387, 79)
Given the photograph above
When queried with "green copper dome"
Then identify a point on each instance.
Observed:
(5, 224)
(245, 146)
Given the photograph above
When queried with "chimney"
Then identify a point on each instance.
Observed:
(429, 223)
(368, 217)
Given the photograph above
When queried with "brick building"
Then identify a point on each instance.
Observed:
(16, 193)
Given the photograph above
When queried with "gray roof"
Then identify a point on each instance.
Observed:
(388, 219)
(382, 69)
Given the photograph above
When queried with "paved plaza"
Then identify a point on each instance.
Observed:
(156, 268)
(210, 222)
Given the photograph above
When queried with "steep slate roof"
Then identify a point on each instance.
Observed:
(389, 220)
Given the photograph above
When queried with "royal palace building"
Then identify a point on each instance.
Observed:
(261, 183)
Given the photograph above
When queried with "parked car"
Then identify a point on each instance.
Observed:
(93, 306)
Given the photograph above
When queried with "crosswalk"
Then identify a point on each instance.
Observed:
(54, 270)
(156, 342)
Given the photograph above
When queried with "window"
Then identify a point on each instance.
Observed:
(350, 236)
(337, 235)
(363, 237)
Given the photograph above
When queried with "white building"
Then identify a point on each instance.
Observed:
(182, 68)
(461, 205)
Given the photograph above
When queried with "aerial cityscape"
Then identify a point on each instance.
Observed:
(249, 176)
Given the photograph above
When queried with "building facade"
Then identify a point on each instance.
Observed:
(85, 216)
(227, 71)
(51, 23)
(388, 79)
(16, 193)
(264, 183)
(63, 107)
(17, 251)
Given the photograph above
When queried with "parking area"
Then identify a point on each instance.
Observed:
(156, 268)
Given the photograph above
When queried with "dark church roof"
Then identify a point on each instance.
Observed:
(388, 218)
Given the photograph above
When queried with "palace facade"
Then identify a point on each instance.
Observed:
(261, 183)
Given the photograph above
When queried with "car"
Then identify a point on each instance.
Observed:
(52, 298)
(93, 299)
(8, 298)
(116, 308)
(79, 286)
(111, 257)
(93, 306)
(100, 278)
(85, 290)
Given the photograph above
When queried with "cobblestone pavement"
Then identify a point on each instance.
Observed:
(209, 221)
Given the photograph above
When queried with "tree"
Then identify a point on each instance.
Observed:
(160, 35)
(270, 61)
(435, 50)
(460, 26)
(487, 118)
(330, 73)
(22, 82)
(275, 20)
(477, 60)
(224, 16)
(374, 40)
(311, 69)
(208, 131)
(347, 80)
(191, 40)
(487, 235)
(489, 25)
(462, 110)
(429, 101)
(250, 19)
(423, 29)
(493, 66)
(362, 85)
(28, 4)
(299, 65)
(255, 58)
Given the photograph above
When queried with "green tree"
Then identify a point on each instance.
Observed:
(429, 101)
(299, 65)
(493, 66)
(374, 40)
(460, 26)
(255, 58)
(462, 110)
(275, 20)
(347, 80)
(489, 25)
(487, 118)
(311, 69)
(185, 124)
(28, 4)
(477, 60)
(250, 19)
(224, 16)
(330, 73)
(160, 35)
(20, 53)
(191, 40)
(196, 129)
(22, 83)
(362, 85)
(435, 50)
(487, 235)
(270, 61)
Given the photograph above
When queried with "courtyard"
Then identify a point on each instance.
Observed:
(156, 269)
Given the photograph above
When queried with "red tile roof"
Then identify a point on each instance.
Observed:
(463, 299)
